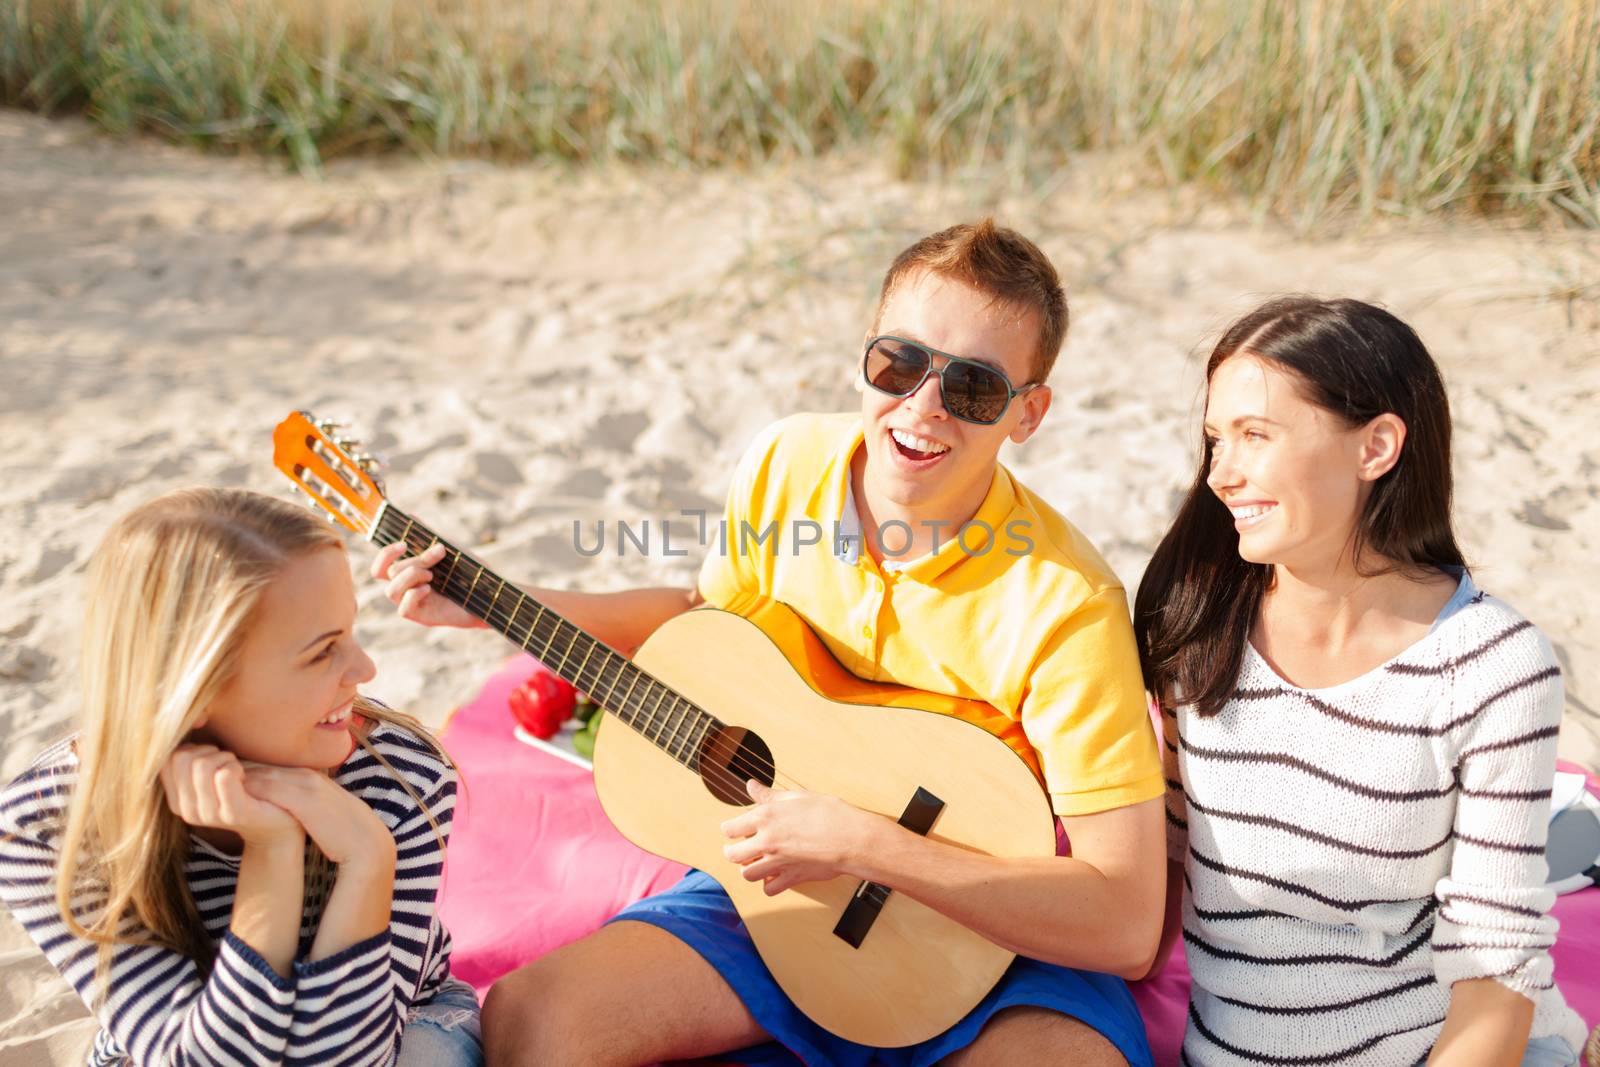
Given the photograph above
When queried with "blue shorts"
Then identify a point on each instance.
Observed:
(697, 912)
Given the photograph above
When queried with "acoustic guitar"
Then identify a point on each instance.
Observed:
(717, 697)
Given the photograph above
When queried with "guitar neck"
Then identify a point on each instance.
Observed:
(657, 712)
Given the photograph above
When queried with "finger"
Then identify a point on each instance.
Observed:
(406, 577)
(204, 777)
(202, 796)
(179, 777)
(762, 869)
(777, 884)
(758, 792)
(412, 601)
(741, 825)
(169, 786)
(742, 852)
(295, 789)
(231, 799)
(386, 558)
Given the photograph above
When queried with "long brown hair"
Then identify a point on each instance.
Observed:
(1199, 598)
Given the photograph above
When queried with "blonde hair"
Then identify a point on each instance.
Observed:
(171, 593)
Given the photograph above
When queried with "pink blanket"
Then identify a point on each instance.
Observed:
(533, 864)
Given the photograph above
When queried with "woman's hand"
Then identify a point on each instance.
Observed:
(344, 828)
(791, 837)
(408, 587)
(205, 786)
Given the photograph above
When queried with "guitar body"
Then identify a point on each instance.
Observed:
(915, 972)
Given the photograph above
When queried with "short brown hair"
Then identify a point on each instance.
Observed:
(1001, 263)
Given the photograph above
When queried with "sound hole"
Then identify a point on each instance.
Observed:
(729, 757)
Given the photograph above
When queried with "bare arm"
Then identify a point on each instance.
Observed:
(1099, 909)
(267, 900)
(1486, 1025)
(622, 619)
(1171, 920)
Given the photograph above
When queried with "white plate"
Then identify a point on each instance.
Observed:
(559, 745)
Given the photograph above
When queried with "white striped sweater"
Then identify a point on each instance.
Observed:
(1351, 852)
(348, 1008)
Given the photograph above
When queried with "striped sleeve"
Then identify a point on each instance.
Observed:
(345, 1008)
(1493, 919)
(350, 1008)
(157, 1007)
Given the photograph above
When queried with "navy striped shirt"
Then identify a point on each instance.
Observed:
(348, 1008)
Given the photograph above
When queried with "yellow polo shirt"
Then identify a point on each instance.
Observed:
(1036, 625)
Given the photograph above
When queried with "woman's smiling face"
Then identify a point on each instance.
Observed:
(1294, 475)
(289, 700)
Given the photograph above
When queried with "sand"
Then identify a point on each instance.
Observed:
(534, 346)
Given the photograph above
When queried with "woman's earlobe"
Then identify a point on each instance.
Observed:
(1384, 439)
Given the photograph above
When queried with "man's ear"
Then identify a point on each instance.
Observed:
(1035, 403)
(1382, 440)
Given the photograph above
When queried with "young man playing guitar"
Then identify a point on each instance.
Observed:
(1019, 612)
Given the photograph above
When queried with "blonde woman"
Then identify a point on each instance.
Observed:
(234, 859)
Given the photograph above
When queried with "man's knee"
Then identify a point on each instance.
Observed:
(530, 1017)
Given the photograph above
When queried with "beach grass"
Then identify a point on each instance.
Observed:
(1309, 108)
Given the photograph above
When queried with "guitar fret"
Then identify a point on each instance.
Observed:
(603, 676)
(495, 599)
(407, 531)
(623, 706)
(578, 674)
(532, 626)
(555, 631)
(703, 727)
(467, 600)
(447, 574)
(679, 717)
(565, 655)
(609, 665)
(655, 720)
(522, 598)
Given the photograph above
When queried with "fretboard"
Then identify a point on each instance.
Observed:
(657, 712)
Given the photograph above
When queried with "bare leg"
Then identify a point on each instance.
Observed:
(1037, 1035)
(627, 994)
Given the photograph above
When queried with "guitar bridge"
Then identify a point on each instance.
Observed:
(862, 911)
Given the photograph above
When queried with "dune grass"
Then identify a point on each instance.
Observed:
(1310, 108)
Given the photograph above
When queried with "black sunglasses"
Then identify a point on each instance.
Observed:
(972, 391)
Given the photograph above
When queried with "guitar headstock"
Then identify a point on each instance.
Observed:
(331, 468)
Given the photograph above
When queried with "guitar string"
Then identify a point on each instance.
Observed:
(759, 767)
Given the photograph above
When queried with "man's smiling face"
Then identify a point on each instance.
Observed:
(921, 460)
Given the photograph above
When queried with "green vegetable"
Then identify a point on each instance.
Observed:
(583, 740)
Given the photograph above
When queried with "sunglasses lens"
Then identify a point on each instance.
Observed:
(975, 393)
(895, 367)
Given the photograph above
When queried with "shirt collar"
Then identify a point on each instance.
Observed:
(996, 508)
